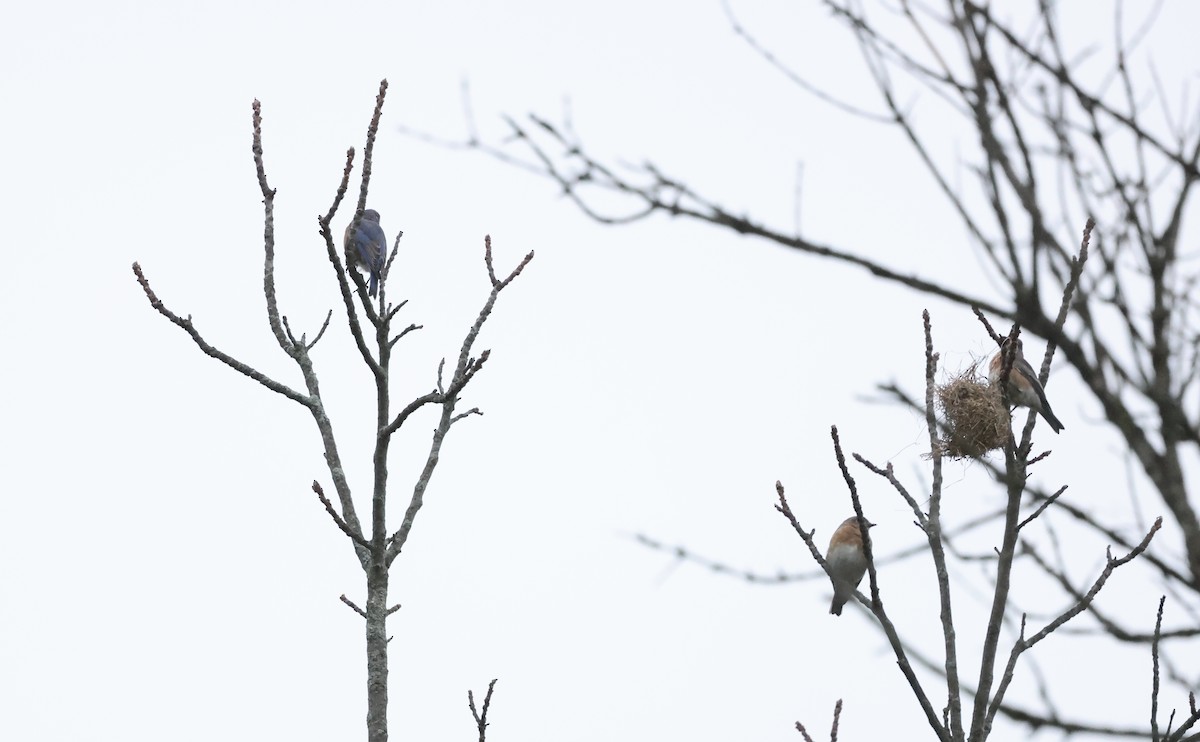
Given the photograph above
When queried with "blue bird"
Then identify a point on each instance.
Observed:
(370, 245)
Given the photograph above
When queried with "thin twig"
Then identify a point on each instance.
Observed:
(837, 716)
(803, 732)
(481, 722)
(1040, 508)
(356, 537)
(1154, 687)
(353, 607)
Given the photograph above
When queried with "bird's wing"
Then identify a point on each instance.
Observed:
(370, 242)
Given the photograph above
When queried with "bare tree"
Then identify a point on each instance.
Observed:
(1055, 145)
(372, 323)
(953, 724)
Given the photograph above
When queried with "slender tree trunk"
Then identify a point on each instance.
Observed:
(377, 646)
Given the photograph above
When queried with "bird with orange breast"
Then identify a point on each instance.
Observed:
(847, 561)
(1023, 387)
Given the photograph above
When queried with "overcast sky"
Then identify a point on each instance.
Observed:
(165, 571)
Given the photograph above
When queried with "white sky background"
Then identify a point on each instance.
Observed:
(165, 570)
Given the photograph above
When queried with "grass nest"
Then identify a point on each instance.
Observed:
(976, 420)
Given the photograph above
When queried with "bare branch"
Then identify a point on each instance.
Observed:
(481, 722)
(1033, 720)
(1045, 504)
(1081, 605)
(212, 352)
(1108, 625)
(651, 195)
(354, 534)
(464, 370)
(933, 531)
(875, 604)
(321, 332)
(405, 331)
(1154, 687)
(803, 732)
(285, 343)
(793, 76)
(837, 716)
(288, 331)
(353, 607)
(468, 413)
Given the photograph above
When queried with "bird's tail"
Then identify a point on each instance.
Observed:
(1055, 424)
(840, 596)
(1044, 408)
